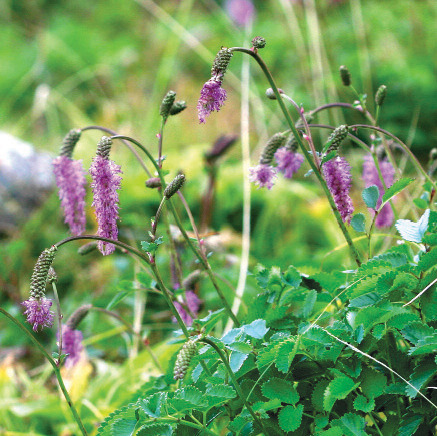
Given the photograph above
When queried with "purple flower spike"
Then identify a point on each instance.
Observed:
(263, 175)
(371, 177)
(288, 161)
(71, 182)
(106, 182)
(71, 345)
(212, 97)
(192, 301)
(338, 177)
(38, 312)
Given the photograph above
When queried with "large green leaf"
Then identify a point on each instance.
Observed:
(256, 329)
(290, 417)
(281, 389)
(370, 196)
(338, 389)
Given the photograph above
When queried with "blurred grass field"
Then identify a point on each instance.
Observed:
(71, 64)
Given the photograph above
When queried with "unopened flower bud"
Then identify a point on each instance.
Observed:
(258, 42)
(87, 248)
(104, 147)
(433, 154)
(178, 107)
(271, 94)
(337, 137)
(345, 76)
(78, 315)
(220, 147)
(275, 142)
(380, 95)
(174, 186)
(40, 273)
(153, 182)
(183, 359)
(69, 142)
(166, 104)
(220, 64)
(52, 277)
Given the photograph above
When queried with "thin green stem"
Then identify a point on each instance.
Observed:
(60, 316)
(311, 162)
(55, 369)
(202, 428)
(234, 381)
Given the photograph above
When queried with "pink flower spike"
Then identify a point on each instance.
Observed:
(106, 183)
(38, 312)
(71, 182)
(263, 175)
(192, 301)
(288, 161)
(71, 345)
(212, 98)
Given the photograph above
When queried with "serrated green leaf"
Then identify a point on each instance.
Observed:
(236, 360)
(428, 260)
(363, 404)
(426, 345)
(395, 189)
(281, 389)
(308, 304)
(416, 331)
(318, 395)
(154, 429)
(222, 391)
(290, 417)
(292, 277)
(241, 347)
(409, 425)
(285, 354)
(422, 374)
(370, 196)
(267, 354)
(413, 232)
(126, 413)
(153, 405)
(402, 319)
(351, 424)
(124, 427)
(365, 300)
(333, 431)
(421, 203)
(372, 383)
(358, 222)
(338, 389)
(208, 323)
(256, 329)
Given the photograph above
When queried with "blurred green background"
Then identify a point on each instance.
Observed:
(70, 64)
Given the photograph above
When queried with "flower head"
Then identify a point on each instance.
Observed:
(288, 161)
(263, 175)
(71, 182)
(241, 11)
(192, 302)
(338, 178)
(38, 312)
(71, 345)
(371, 177)
(106, 182)
(212, 98)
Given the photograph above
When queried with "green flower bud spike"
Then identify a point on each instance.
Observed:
(183, 359)
(52, 277)
(69, 142)
(174, 186)
(275, 142)
(337, 137)
(166, 104)
(104, 147)
(258, 42)
(40, 273)
(221, 63)
(345, 76)
(178, 107)
(380, 95)
(153, 182)
(87, 248)
(78, 315)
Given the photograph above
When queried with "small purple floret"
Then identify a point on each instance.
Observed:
(192, 301)
(212, 97)
(385, 217)
(38, 312)
(338, 177)
(71, 182)
(241, 11)
(106, 182)
(288, 161)
(263, 175)
(71, 345)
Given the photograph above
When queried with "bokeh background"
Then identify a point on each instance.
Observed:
(71, 64)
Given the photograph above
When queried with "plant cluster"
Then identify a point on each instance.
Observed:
(344, 352)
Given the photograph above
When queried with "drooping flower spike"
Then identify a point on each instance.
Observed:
(288, 161)
(212, 95)
(71, 182)
(106, 183)
(38, 311)
(371, 177)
